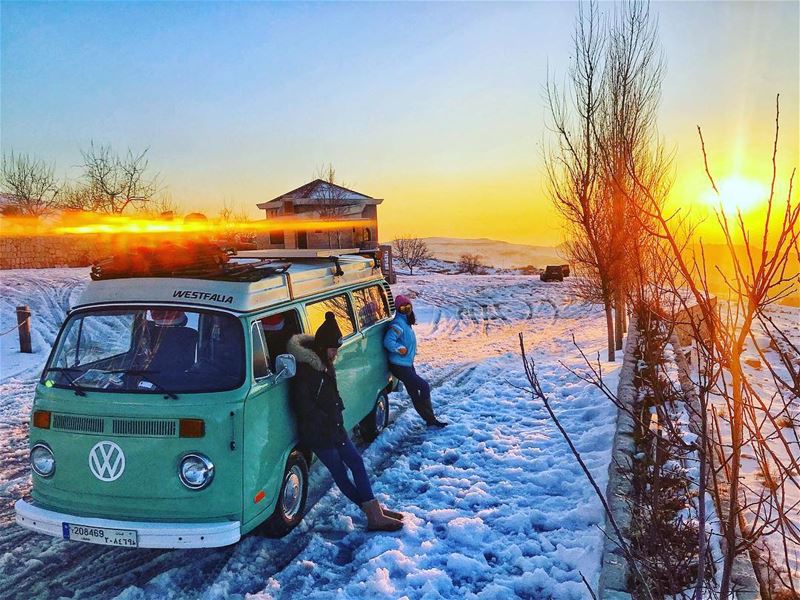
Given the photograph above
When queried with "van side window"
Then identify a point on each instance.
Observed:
(371, 305)
(339, 306)
(260, 365)
(277, 330)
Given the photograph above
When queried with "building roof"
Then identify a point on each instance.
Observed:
(318, 191)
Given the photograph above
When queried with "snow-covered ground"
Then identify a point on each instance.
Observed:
(496, 505)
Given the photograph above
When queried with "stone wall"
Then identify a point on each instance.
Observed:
(52, 251)
(613, 584)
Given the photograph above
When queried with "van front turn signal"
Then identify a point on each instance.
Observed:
(192, 428)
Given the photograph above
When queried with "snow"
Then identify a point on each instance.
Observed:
(495, 504)
(48, 293)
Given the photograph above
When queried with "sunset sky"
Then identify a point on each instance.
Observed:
(437, 108)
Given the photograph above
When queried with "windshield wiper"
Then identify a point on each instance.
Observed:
(79, 391)
(145, 375)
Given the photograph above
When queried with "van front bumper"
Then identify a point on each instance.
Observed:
(149, 535)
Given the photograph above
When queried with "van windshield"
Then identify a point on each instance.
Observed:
(158, 350)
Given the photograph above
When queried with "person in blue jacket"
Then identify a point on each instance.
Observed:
(401, 345)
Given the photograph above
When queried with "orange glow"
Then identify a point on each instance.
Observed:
(737, 193)
(93, 224)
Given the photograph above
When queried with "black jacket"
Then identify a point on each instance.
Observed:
(315, 398)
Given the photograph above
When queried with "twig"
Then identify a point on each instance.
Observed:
(588, 587)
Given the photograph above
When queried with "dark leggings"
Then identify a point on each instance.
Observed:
(338, 460)
(418, 389)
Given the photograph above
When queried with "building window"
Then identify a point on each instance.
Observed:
(276, 237)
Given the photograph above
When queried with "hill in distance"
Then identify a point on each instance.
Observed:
(494, 253)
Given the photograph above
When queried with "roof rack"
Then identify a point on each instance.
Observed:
(192, 260)
(333, 254)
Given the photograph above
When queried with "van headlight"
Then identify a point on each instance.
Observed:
(196, 471)
(42, 460)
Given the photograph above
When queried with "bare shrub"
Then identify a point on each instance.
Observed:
(471, 264)
(760, 276)
(411, 252)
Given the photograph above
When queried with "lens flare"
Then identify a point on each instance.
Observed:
(127, 225)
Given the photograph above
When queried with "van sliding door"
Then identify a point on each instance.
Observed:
(352, 362)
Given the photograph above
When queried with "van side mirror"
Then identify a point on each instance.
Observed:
(285, 367)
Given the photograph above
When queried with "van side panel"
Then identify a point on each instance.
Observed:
(376, 373)
(269, 436)
(352, 369)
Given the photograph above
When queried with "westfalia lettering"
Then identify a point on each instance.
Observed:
(193, 295)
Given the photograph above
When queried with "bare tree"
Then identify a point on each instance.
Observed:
(30, 183)
(604, 124)
(574, 170)
(471, 263)
(334, 202)
(411, 251)
(627, 138)
(113, 182)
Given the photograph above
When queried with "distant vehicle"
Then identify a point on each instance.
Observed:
(565, 270)
(162, 418)
(552, 273)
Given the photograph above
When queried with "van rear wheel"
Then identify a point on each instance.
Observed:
(292, 497)
(377, 420)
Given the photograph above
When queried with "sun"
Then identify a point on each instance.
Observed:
(737, 193)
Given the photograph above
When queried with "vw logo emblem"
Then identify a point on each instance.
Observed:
(106, 461)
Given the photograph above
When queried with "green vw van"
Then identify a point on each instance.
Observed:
(162, 418)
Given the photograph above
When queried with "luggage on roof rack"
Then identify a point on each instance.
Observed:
(193, 260)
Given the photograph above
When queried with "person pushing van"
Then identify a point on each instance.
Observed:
(318, 407)
(401, 344)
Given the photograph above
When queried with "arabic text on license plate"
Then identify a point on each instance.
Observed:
(125, 538)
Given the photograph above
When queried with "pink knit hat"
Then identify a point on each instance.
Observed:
(401, 300)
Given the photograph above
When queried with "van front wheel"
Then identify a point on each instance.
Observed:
(377, 420)
(291, 498)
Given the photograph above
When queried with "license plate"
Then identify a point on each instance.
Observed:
(125, 538)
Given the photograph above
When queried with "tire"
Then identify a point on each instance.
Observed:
(292, 497)
(377, 420)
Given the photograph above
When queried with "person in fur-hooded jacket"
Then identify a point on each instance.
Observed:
(318, 408)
